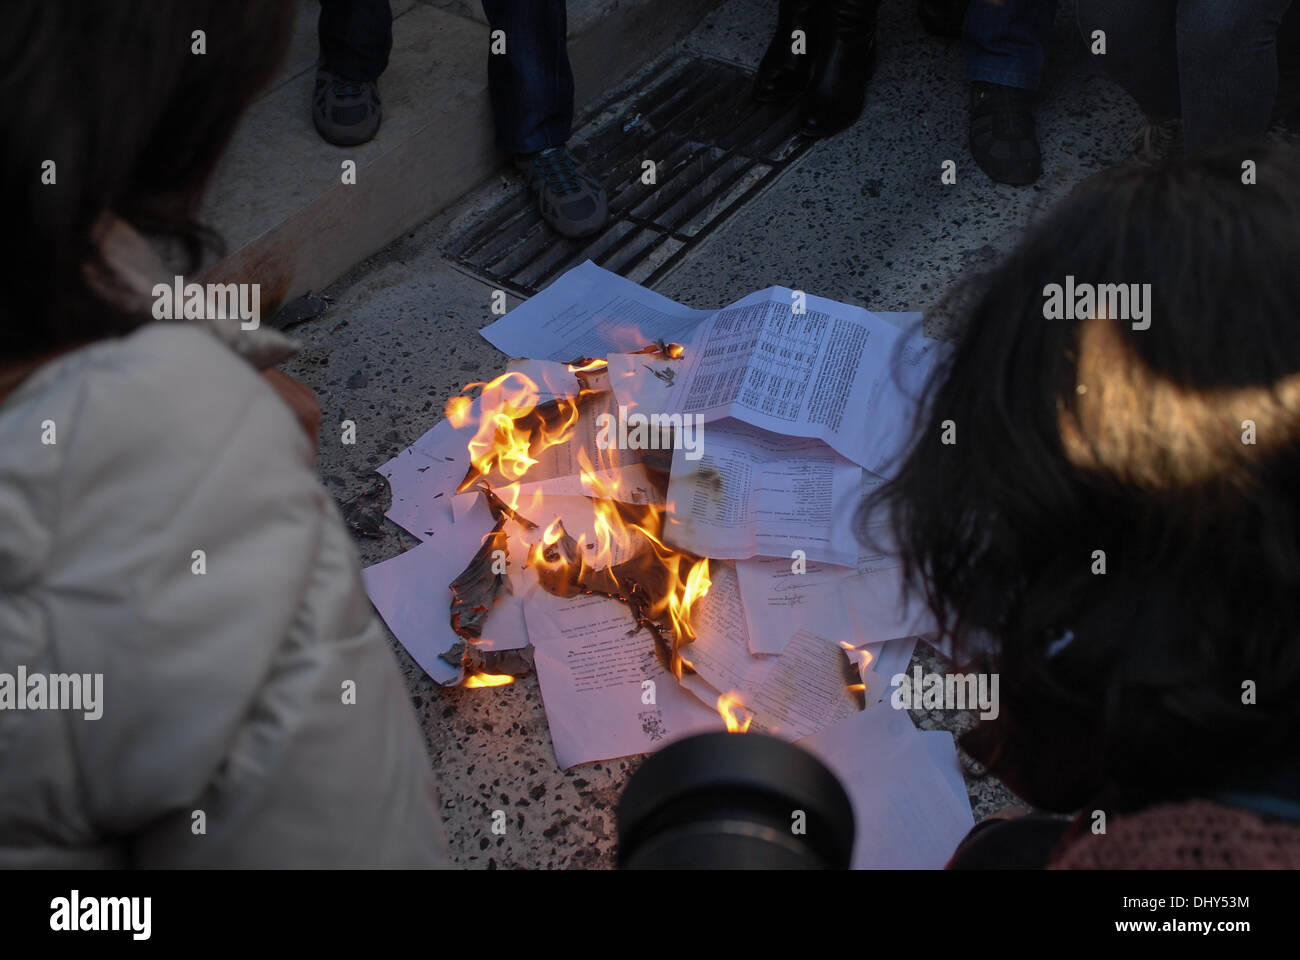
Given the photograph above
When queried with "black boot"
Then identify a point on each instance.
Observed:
(840, 91)
(782, 73)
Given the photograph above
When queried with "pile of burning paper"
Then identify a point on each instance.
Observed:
(658, 510)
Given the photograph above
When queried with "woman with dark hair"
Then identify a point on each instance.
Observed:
(190, 673)
(1103, 508)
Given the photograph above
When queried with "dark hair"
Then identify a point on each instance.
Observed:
(1082, 436)
(134, 122)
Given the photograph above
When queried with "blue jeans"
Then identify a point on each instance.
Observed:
(1211, 62)
(531, 84)
(1006, 43)
(356, 37)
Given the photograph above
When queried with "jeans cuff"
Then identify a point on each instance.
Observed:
(1007, 75)
(553, 135)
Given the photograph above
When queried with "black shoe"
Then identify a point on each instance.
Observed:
(346, 112)
(782, 73)
(942, 18)
(839, 93)
(571, 201)
(1002, 137)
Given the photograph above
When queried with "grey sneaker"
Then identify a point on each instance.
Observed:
(572, 202)
(346, 112)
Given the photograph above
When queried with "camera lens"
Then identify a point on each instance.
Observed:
(734, 800)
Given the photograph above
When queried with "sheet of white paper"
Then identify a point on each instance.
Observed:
(720, 652)
(592, 662)
(835, 372)
(943, 754)
(806, 690)
(906, 811)
(412, 593)
(789, 696)
(887, 661)
(552, 378)
(832, 600)
(754, 492)
(589, 312)
(880, 609)
(643, 383)
(780, 602)
(424, 476)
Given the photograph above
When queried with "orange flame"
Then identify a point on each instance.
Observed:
(864, 657)
(510, 434)
(510, 428)
(734, 713)
(458, 411)
(488, 680)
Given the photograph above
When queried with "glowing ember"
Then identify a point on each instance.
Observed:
(488, 680)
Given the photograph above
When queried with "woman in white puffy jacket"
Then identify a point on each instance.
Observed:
(163, 536)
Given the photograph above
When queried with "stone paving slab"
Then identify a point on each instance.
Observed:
(278, 197)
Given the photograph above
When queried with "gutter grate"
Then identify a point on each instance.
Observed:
(714, 150)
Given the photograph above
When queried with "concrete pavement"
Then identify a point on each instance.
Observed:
(862, 217)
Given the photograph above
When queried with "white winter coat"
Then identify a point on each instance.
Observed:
(223, 691)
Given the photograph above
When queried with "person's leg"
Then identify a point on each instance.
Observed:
(1006, 42)
(1006, 47)
(1142, 57)
(1140, 53)
(786, 70)
(531, 84)
(845, 64)
(356, 37)
(1227, 69)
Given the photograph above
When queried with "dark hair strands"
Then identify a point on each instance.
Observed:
(135, 123)
(1202, 589)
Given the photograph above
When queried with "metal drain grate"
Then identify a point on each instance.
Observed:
(713, 146)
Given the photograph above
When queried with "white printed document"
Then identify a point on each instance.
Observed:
(593, 663)
(753, 492)
(590, 312)
(833, 371)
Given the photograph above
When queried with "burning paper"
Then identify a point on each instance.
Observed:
(546, 524)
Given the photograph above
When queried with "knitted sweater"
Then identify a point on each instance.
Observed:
(1196, 835)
